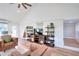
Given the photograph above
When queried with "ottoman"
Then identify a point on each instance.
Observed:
(20, 51)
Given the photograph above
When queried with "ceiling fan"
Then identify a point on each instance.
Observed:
(23, 5)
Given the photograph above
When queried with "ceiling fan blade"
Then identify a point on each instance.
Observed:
(19, 5)
(24, 6)
(27, 4)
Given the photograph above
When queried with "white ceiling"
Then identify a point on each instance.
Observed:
(42, 10)
(11, 12)
(52, 11)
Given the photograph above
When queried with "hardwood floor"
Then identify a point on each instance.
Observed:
(55, 51)
(71, 42)
(60, 52)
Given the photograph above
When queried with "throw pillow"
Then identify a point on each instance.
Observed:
(7, 40)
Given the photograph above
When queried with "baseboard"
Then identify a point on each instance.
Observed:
(69, 38)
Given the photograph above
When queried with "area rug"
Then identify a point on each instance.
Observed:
(7, 52)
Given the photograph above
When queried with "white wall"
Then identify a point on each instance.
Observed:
(69, 30)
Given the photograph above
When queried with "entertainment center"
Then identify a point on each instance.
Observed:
(36, 34)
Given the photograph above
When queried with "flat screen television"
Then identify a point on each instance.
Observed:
(39, 31)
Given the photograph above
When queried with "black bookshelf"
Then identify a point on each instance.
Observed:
(50, 34)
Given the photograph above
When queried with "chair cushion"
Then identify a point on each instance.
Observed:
(7, 38)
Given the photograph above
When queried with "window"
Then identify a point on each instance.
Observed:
(14, 31)
(3, 28)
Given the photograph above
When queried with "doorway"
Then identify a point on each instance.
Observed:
(71, 33)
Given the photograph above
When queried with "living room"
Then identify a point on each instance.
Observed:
(46, 20)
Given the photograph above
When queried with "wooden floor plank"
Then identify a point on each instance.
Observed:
(60, 52)
(71, 42)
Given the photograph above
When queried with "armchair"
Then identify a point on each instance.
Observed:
(8, 45)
